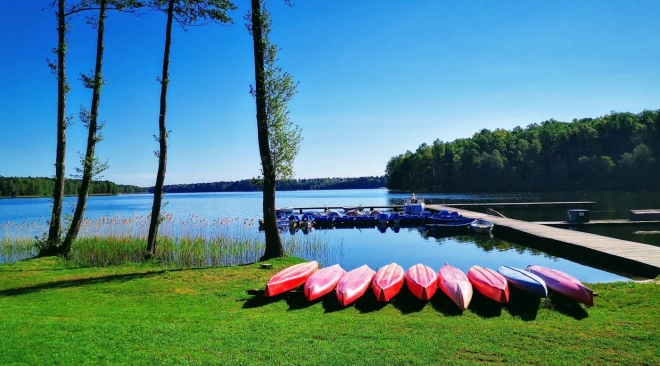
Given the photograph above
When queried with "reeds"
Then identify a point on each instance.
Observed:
(191, 242)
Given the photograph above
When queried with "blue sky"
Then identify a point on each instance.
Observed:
(377, 78)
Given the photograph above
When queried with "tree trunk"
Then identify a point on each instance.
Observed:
(162, 138)
(55, 229)
(274, 247)
(88, 167)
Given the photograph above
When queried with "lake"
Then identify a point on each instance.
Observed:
(352, 248)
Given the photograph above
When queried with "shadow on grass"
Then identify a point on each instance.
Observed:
(406, 302)
(82, 282)
(522, 304)
(484, 307)
(368, 303)
(445, 305)
(566, 306)
(330, 303)
(259, 299)
(297, 300)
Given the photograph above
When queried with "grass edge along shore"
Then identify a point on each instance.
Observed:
(54, 312)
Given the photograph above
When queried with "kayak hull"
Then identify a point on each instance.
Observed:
(323, 282)
(564, 284)
(290, 278)
(388, 282)
(524, 280)
(455, 284)
(422, 281)
(489, 283)
(354, 284)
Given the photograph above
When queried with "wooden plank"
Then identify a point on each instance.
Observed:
(633, 256)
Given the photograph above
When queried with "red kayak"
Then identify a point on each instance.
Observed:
(455, 284)
(564, 284)
(354, 284)
(323, 281)
(290, 278)
(422, 281)
(489, 283)
(388, 281)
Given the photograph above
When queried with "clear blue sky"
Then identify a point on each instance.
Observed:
(377, 78)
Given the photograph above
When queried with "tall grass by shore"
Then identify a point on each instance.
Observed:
(189, 242)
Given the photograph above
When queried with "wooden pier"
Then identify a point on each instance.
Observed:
(617, 222)
(614, 255)
(523, 204)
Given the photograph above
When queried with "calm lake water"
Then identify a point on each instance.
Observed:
(352, 248)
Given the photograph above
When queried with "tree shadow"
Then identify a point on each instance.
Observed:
(406, 302)
(259, 299)
(484, 307)
(523, 304)
(566, 306)
(368, 303)
(54, 285)
(445, 305)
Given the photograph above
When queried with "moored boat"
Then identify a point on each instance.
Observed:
(489, 283)
(290, 278)
(387, 282)
(422, 281)
(564, 284)
(323, 281)
(482, 226)
(382, 218)
(455, 284)
(524, 280)
(414, 205)
(284, 210)
(354, 284)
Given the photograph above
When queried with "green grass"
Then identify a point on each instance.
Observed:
(53, 312)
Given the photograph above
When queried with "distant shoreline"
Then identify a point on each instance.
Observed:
(66, 195)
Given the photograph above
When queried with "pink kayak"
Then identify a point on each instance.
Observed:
(455, 284)
(422, 281)
(564, 284)
(323, 281)
(388, 282)
(354, 284)
(290, 278)
(489, 283)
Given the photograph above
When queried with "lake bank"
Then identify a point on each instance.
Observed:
(143, 314)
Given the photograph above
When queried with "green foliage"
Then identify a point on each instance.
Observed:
(205, 316)
(256, 184)
(43, 187)
(284, 137)
(610, 152)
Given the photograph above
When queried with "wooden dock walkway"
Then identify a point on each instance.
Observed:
(522, 204)
(614, 255)
(617, 222)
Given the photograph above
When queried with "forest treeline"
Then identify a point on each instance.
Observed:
(612, 152)
(43, 187)
(282, 185)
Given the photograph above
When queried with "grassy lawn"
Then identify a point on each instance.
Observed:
(51, 313)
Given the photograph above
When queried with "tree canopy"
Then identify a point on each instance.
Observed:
(612, 152)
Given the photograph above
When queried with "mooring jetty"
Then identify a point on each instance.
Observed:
(622, 256)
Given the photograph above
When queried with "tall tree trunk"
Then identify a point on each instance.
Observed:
(162, 138)
(274, 247)
(88, 165)
(55, 229)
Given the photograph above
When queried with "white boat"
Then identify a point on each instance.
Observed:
(414, 205)
(481, 226)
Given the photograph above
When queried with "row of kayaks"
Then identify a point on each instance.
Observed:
(422, 281)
